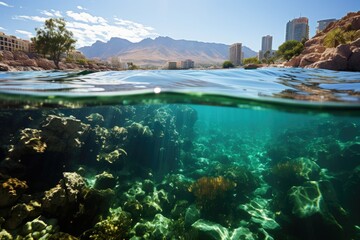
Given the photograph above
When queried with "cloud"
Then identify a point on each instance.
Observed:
(81, 8)
(85, 17)
(86, 33)
(1, 28)
(26, 33)
(51, 13)
(32, 18)
(88, 28)
(5, 4)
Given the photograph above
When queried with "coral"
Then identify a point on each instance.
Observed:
(114, 227)
(10, 191)
(209, 189)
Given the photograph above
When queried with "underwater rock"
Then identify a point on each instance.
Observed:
(150, 208)
(179, 208)
(257, 208)
(134, 207)
(210, 230)
(192, 214)
(112, 157)
(76, 207)
(96, 118)
(20, 212)
(306, 199)
(309, 205)
(4, 235)
(104, 180)
(293, 172)
(351, 194)
(63, 133)
(30, 142)
(10, 191)
(116, 226)
(148, 186)
(61, 236)
(158, 228)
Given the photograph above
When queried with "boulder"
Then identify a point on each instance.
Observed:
(29, 63)
(192, 214)
(343, 50)
(4, 67)
(11, 190)
(19, 55)
(210, 230)
(104, 180)
(294, 62)
(45, 63)
(7, 55)
(354, 60)
(309, 59)
(337, 63)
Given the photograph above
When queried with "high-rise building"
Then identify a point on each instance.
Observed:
(297, 29)
(266, 47)
(322, 24)
(235, 54)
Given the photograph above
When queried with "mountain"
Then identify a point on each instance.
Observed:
(158, 51)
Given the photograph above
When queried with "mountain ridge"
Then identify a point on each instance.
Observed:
(158, 51)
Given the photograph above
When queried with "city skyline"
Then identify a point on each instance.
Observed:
(206, 21)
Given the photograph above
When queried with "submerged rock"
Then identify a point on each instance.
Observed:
(10, 191)
(192, 214)
(210, 230)
(104, 180)
(260, 214)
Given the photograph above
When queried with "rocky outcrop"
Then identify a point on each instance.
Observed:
(345, 57)
(21, 61)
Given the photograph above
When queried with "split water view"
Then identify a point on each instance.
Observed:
(112, 126)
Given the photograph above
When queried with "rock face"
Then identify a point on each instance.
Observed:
(345, 57)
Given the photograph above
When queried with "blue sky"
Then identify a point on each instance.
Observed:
(226, 21)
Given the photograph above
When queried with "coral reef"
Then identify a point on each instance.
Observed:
(154, 172)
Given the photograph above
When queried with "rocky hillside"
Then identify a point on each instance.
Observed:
(21, 61)
(324, 50)
(156, 52)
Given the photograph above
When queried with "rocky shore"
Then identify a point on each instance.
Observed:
(344, 57)
(21, 61)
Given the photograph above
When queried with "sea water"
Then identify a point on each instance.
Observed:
(220, 154)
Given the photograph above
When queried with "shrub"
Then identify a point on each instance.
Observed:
(252, 60)
(339, 36)
(228, 64)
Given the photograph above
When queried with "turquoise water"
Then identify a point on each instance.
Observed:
(221, 154)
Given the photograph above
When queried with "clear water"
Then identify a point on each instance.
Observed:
(222, 154)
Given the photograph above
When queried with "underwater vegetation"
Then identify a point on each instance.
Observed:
(159, 172)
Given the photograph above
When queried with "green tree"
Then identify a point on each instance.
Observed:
(252, 60)
(54, 39)
(228, 64)
(289, 49)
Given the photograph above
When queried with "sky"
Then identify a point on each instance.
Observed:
(225, 21)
